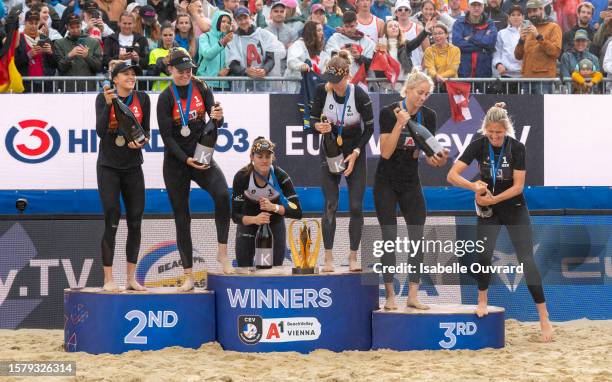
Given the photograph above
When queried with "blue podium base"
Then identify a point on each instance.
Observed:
(102, 322)
(441, 327)
(273, 310)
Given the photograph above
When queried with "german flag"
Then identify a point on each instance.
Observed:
(10, 78)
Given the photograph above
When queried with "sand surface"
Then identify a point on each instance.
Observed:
(581, 351)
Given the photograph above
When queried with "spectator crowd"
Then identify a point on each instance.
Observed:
(262, 38)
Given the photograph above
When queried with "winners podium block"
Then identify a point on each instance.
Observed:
(115, 322)
(441, 327)
(273, 310)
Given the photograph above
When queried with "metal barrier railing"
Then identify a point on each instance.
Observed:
(59, 84)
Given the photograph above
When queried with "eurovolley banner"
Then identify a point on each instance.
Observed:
(40, 258)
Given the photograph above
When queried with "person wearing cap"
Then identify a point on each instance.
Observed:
(119, 168)
(254, 52)
(539, 47)
(283, 32)
(317, 14)
(584, 12)
(127, 45)
(397, 181)
(212, 46)
(181, 115)
(580, 51)
(345, 111)
(24, 6)
(585, 77)
(78, 55)
(45, 22)
(410, 30)
(294, 18)
(34, 52)
(356, 42)
(475, 35)
(145, 24)
(93, 24)
(504, 62)
(262, 193)
(333, 13)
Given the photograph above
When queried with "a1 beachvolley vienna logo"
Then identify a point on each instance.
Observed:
(255, 329)
(32, 141)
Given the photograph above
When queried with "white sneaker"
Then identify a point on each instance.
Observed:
(187, 285)
(110, 286)
(132, 284)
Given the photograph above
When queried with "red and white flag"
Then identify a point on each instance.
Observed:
(383, 62)
(459, 99)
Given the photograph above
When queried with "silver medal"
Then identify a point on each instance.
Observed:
(120, 141)
(185, 131)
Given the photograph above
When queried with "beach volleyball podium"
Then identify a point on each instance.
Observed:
(115, 322)
(443, 327)
(276, 310)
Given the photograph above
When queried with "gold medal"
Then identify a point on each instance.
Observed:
(339, 140)
(292, 205)
(120, 141)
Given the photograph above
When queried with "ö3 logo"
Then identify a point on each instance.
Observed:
(33, 141)
(238, 140)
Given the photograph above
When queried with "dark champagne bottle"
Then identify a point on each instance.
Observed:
(424, 139)
(264, 242)
(128, 123)
(335, 159)
(205, 147)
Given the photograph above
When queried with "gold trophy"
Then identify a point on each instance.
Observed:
(305, 257)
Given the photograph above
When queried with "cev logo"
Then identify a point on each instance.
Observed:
(33, 141)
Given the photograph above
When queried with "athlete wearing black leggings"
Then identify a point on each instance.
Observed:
(397, 178)
(256, 199)
(345, 107)
(119, 169)
(499, 200)
(181, 115)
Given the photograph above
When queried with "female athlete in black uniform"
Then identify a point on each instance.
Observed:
(258, 193)
(397, 177)
(345, 106)
(119, 169)
(181, 114)
(500, 201)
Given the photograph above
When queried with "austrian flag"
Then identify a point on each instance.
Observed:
(459, 99)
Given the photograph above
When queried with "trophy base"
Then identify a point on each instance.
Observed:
(303, 271)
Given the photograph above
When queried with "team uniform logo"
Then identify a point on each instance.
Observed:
(249, 329)
(32, 141)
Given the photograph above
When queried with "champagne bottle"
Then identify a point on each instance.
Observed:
(128, 123)
(205, 147)
(335, 159)
(424, 139)
(264, 242)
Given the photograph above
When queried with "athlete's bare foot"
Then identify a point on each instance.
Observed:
(110, 286)
(132, 284)
(188, 284)
(328, 265)
(390, 304)
(416, 304)
(225, 263)
(481, 309)
(547, 331)
(354, 265)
